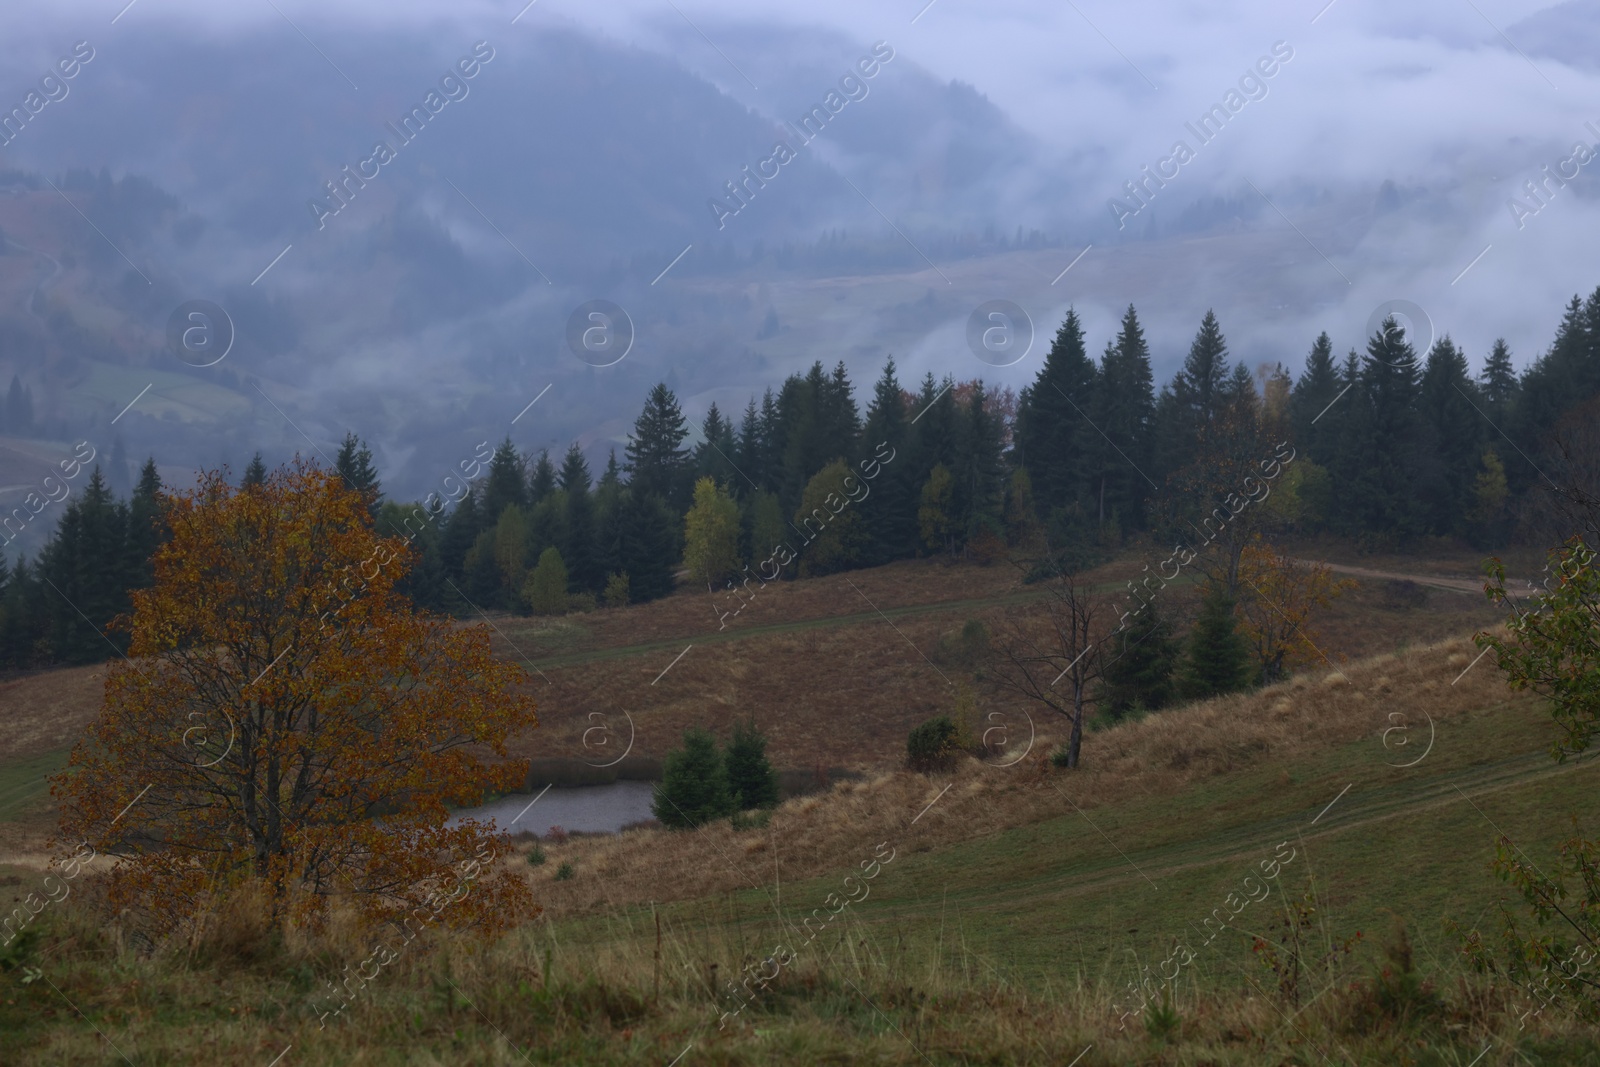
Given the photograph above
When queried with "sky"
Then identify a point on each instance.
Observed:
(1456, 102)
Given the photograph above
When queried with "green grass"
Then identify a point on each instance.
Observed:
(23, 783)
(1064, 898)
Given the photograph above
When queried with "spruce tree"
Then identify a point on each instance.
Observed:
(579, 549)
(1309, 414)
(1200, 394)
(506, 484)
(1499, 386)
(889, 512)
(1448, 435)
(256, 473)
(751, 448)
(1053, 432)
(980, 470)
(657, 463)
(1124, 413)
(1139, 665)
(648, 545)
(147, 530)
(751, 779)
(461, 530)
(1217, 660)
(543, 480)
(694, 784)
(713, 456)
(354, 465)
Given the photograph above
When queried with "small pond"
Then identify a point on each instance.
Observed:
(589, 808)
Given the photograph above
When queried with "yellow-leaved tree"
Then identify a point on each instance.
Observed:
(284, 720)
(1278, 597)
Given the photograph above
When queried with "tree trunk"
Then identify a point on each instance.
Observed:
(1075, 742)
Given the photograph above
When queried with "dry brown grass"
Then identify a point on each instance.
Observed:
(1157, 756)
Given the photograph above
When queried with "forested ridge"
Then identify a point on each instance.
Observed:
(1393, 446)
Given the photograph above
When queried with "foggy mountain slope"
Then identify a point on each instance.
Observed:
(1568, 32)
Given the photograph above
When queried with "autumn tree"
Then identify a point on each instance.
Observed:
(546, 588)
(935, 513)
(1280, 595)
(711, 534)
(836, 535)
(279, 698)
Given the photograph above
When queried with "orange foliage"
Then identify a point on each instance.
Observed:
(1280, 594)
(284, 716)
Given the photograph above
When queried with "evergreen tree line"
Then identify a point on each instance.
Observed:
(1393, 445)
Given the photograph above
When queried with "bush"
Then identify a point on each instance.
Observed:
(965, 650)
(932, 746)
(579, 602)
(694, 784)
(564, 872)
(546, 588)
(751, 779)
(1061, 758)
(616, 594)
(536, 857)
(753, 820)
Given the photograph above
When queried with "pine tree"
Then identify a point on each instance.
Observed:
(1195, 400)
(657, 463)
(751, 779)
(1448, 435)
(147, 530)
(1217, 660)
(354, 465)
(506, 484)
(1378, 454)
(1309, 412)
(578, 545)
(1499, 386)
(1124, 413)
(84, 566)
(980, 470)
(694, 784)
(461, 531)
(256, 473)
(1139, 665)
(752, 447)
(1053, 433)
(648, 545)
(543, 480)
(713, 456)
(889, 512)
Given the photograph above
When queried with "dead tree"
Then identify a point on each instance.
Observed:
(1054, 657)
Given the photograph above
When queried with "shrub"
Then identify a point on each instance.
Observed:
(616, 594)
(694, 784)
(932, 745)
(546, 588)
(536, 857)
(751, 779)
(752, 820)
(564, 872)
(1061, 757)
(578, 602)
(965, 650)
(557, 834)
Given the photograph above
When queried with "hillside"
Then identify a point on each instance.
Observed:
(1007, 887)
